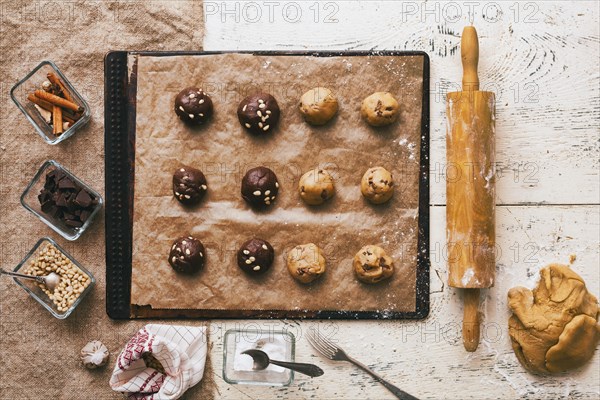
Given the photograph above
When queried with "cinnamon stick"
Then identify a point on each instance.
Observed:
(57, 120)
(67, 114)
(58, 101)
(56, 81)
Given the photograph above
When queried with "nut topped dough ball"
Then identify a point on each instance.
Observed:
(377, 185)
(380, 109)
(372, 265)
(260, 187)
(187, 255)
(316, 186)
(318, 106)
(193, 106)
(259, 113)
(255, 256)
(306, 262)
(189, 185)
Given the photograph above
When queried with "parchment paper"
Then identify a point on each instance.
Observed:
(346, 147)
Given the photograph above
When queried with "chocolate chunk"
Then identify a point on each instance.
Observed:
(66, 183)
(83, 199)
(63, 199)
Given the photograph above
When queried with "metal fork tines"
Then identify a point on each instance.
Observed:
(334, 352)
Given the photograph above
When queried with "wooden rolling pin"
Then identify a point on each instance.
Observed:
(470, 188)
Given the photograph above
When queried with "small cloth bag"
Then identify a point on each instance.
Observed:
(180, 349)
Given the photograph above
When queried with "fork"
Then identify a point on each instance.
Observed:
(333, 352)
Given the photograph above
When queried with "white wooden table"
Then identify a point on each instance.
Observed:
(541, 59)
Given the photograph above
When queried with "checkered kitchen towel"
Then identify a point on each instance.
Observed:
(180, 349)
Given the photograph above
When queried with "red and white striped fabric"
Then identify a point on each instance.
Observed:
(180, 349)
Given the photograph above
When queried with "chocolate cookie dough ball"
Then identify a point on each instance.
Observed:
(187, 255)
(259, 113)
(255, 256)
(260, 187)
(193, 106)
(380, 109)
(306, 262)
(316, 186)
(189, 185)
(372, 265)
(377, 185)
(318, 106)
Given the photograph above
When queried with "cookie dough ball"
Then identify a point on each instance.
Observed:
(193, 106)
(187, 255)
(259, 113)
(377, 185)
(316, 186)
(318, 106)
(306, 262)
(260, 187)
(380, 109)
(189, 185)
(554, 327)
(255, 256)
(372, 265)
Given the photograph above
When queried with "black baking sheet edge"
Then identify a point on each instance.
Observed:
(119, 137)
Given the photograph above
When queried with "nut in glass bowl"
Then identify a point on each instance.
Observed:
(75, 281)
(50, 103)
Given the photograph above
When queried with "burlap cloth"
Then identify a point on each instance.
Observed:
(39, 354)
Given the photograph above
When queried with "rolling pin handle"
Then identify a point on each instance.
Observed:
(469, 52)
(471, 329)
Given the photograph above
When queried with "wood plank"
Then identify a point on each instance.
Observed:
(537, 56)
(427, 358)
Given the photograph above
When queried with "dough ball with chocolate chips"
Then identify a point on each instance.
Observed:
(372, 265)
(316, 186)
(255, 256)
(318, 106)
(377, 185)
(260, 187)
(187, 255)
(189, 185)
(193, 106)
(259, 113)
(306, 262)
(380, 109)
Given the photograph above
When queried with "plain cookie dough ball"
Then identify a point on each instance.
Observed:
(318, 106)
(260, 187)
(372, 265)
(189, 185)
(316, 186)
(187, 255)
(380, 109)
(255, 256)
(306, 262)
(259, 113)
(377, 185)
(193, 106)
(554, 327)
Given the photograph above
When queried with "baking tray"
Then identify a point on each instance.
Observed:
(120, 116)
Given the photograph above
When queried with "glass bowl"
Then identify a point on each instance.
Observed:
(36, 292)
(237, 367)
(32, 82)
(29, 200)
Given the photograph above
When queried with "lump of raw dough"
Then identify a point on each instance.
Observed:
(318, 106)
(306, 262)
(554, 328)
(380, 109)
(316, 186)
(372, 265)
(377, 185)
